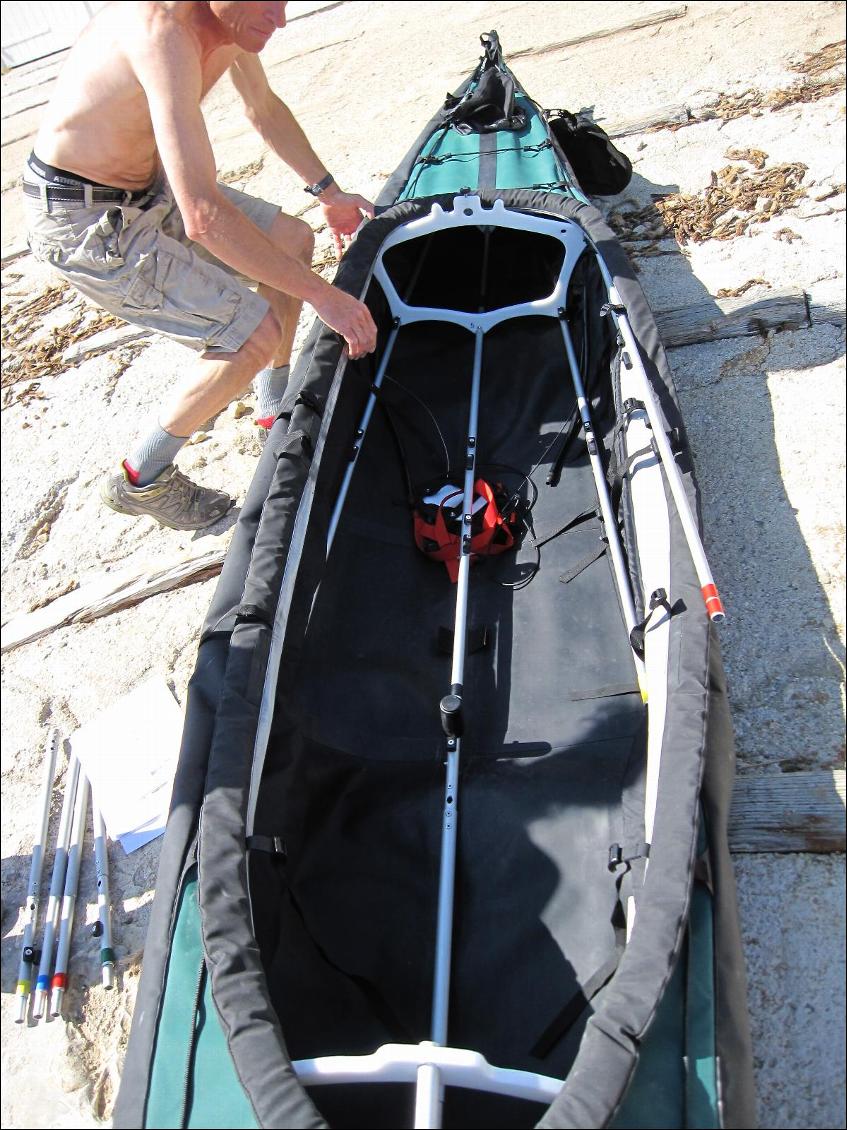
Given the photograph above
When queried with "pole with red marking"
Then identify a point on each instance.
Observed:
(631, 358)
(59, 982)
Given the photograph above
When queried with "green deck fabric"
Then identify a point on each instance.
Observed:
(217, 1097)
(702, 1097)
(175, 1031)
(655, 1099)
(190, 1043)
(460, 171)
(518, 169)
(675, 1083)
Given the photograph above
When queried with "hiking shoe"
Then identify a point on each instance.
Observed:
(172, 499)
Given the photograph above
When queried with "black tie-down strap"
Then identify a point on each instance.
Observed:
(269, 845)
(572, 523)
(619, 469)
(569, 433)
(620, 862)
(583, 563)
(625, 857)
(561, 1024)
(658, 599)
(578, 519)
(478, 638)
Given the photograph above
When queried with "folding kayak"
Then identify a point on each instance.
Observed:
(448, 836)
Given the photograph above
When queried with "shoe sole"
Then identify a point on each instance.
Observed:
(130, 512)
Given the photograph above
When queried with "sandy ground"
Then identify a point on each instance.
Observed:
(765, 418)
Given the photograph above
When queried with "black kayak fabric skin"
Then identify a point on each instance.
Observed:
(331, 950)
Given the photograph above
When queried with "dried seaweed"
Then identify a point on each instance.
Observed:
(754, 157)
(737, 291)
(631, 224)
(736, 198)
(20, 323)
(731, 106)
(243, 173)
(819, 62)
(28, 361)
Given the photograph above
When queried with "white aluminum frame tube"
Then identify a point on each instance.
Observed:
(33, 898)
(708, 589)
(360, 436)
(602, 486)
(429, 1095)
(104, 904)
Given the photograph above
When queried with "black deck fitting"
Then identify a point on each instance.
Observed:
(452, 716)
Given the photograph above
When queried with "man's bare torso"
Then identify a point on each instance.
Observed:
(98, 122)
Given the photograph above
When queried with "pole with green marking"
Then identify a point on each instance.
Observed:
(102, 928)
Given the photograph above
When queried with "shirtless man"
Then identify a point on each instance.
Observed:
(122, 199)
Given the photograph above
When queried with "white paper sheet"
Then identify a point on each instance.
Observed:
(129, 754)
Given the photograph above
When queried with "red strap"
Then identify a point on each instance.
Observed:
(436, 541)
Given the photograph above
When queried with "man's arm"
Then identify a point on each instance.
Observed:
(278, 127)
(167, 65)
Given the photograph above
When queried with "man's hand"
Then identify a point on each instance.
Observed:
(349, 317)
(343, 212)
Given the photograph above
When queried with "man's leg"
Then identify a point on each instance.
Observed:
(296, 239)
(218, 378)
(162, 491)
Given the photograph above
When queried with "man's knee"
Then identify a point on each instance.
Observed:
(263, 343)
(307, 243)
(294, 237)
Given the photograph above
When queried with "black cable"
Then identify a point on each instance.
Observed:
(429, 412)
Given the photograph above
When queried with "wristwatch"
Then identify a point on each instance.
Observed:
(321, 186)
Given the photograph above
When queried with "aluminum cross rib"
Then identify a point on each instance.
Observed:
(469, 212)
(399, 1063)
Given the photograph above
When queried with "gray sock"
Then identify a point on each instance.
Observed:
(156, 451)
(270, 388)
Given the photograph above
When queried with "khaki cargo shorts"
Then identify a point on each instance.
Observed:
(137, 262)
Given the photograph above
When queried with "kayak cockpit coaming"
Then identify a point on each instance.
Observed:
(356, 713)
(302, 742)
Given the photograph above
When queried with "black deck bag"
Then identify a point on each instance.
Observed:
(490, 105)
(600, 167)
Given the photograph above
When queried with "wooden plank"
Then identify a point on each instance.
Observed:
(784, 812)
(660, 117)
(109, 594)
(714, 319)
(832, 313)
(649, 20)
(102, 342)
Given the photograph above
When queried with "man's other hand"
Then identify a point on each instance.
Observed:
(343, 212)
(349, 317)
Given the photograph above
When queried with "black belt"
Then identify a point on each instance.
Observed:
(65, 194)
